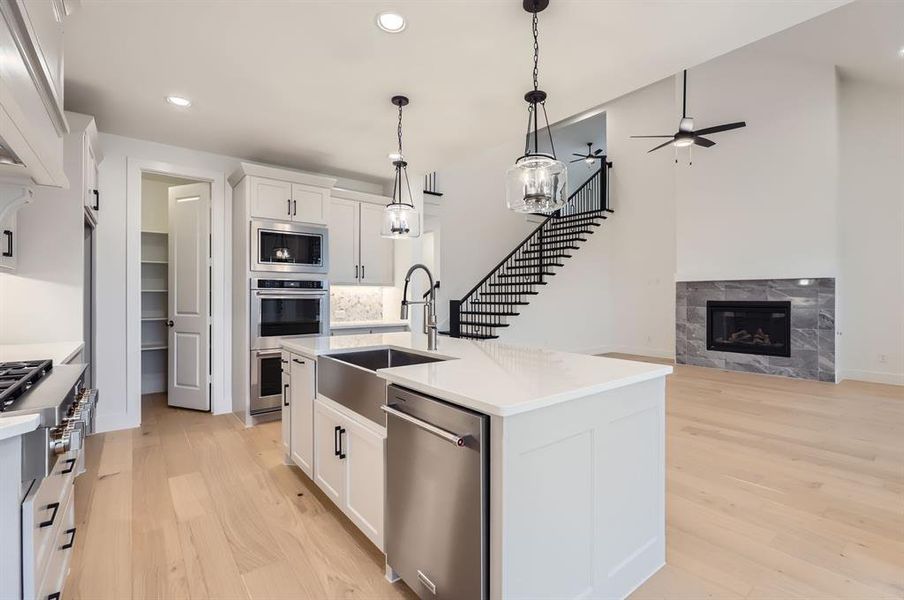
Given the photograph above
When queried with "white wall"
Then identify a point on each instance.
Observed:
(871, 129)
(762, 203)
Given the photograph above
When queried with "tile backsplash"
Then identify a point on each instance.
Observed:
(350, 303)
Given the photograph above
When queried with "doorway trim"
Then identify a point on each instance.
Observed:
(220, 195)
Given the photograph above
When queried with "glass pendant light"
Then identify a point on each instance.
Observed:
(400, 218)
(537, 182)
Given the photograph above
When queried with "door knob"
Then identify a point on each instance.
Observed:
(170, 323)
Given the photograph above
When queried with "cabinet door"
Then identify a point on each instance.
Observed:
(302, 428)
(286, 405)
(271, 199)
(8, 242)
(310, 204)
(376, 252)
(329, 456)
(344, 253)
(364, 481)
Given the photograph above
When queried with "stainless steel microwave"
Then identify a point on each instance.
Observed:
(282, 247)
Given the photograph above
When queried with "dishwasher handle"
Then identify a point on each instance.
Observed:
(452, 438)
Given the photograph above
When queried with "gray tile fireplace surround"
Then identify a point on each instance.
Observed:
(812, 326)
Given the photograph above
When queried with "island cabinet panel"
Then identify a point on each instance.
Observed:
(364, 481)
(348, 465)
(286, 406)
(329, 460)
(271, 199)
(302, 401)
(582, 487)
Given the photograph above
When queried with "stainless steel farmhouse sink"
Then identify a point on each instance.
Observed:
(349, 378)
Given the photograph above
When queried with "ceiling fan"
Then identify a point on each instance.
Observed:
(686, 136)
(590, 156)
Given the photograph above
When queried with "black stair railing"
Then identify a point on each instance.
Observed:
(485, 308)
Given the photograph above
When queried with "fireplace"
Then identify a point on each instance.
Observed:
(749, 327)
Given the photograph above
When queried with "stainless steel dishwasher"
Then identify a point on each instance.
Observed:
(437, 496)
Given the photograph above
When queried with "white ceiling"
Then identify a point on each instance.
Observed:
(307, 84)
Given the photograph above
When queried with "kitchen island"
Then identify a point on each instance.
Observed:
(577, 458)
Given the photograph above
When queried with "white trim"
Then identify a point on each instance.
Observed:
(246, 168)
(872, 376)
(220, 401)
(360, 196)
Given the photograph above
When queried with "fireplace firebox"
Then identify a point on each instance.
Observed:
(749, 327)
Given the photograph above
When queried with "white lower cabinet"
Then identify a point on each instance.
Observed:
(301, 429)
(286, 404)
(348, 466)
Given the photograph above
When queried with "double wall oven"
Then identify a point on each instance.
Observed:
(285, 306)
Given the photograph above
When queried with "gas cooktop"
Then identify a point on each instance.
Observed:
(16, 378)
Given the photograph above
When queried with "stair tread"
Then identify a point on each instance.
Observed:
(565, 235)
(528, 274)
(508, 293)
(478, 336)
(489, 313)
(498, 303)
(517, 283)
(483, 324)
(557, 248)
(525, 267)
(547, 257)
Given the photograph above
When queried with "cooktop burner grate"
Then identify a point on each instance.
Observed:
(16, 378)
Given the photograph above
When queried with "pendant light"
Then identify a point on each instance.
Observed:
(400, 218)
(537, 182)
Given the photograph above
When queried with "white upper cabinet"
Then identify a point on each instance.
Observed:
(310, 204)
(358, 254)
(9, 255)
(377, 255)
(271, 199)
(32, 121)
(344, 253)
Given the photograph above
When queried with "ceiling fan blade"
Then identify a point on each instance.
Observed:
(668, 143)
(576, 154)
(575, 160)
(652, 136)
(702, 141)
(720, 128)
(598, 152)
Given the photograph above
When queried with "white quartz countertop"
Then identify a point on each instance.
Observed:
(491, 377)
(367, 324)
(59, 352)
(13, 426)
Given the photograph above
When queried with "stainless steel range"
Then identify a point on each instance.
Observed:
(51, 458)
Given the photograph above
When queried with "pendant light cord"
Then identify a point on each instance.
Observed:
(536, 32)
(401, 157)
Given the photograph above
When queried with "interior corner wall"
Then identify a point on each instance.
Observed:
(762, 203)
(871, 132)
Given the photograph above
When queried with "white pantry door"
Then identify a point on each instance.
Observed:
(189, 296)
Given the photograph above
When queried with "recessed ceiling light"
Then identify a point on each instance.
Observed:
(179, 101)
(391, 22)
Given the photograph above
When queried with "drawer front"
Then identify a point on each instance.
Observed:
(50, 585)
(42, 512)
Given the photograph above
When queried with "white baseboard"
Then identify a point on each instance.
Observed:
(872, 376)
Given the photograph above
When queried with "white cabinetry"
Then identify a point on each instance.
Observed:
(278, 200)
(8, 252)
(358, 254)
(301, 430)
(286, 406)
(348, 465)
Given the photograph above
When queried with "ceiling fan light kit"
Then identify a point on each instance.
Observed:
(686, 136)
(591, 157)
(400, 218)
(537, 182)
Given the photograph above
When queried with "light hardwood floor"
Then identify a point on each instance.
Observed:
(776, 488)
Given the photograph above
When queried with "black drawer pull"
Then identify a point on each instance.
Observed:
(54, 596)
(9, 239)
(71, 466)
(96, 199)
(341, 452)
(300, 362)
(54, 506)
(71, 541)
(285, 396)
(336, 440)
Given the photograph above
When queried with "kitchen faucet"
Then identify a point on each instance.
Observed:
(429, 305)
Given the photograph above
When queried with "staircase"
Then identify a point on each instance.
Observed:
(489, 306)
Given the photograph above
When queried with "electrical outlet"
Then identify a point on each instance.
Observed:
(883, 358)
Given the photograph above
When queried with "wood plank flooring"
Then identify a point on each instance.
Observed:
(776, 488)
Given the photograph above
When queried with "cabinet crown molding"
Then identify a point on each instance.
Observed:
(246, 169)
(360, 196)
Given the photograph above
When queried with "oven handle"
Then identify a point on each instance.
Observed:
(290, 295)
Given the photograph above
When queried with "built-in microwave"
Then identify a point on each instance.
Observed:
(284, 307)
(282, 247)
